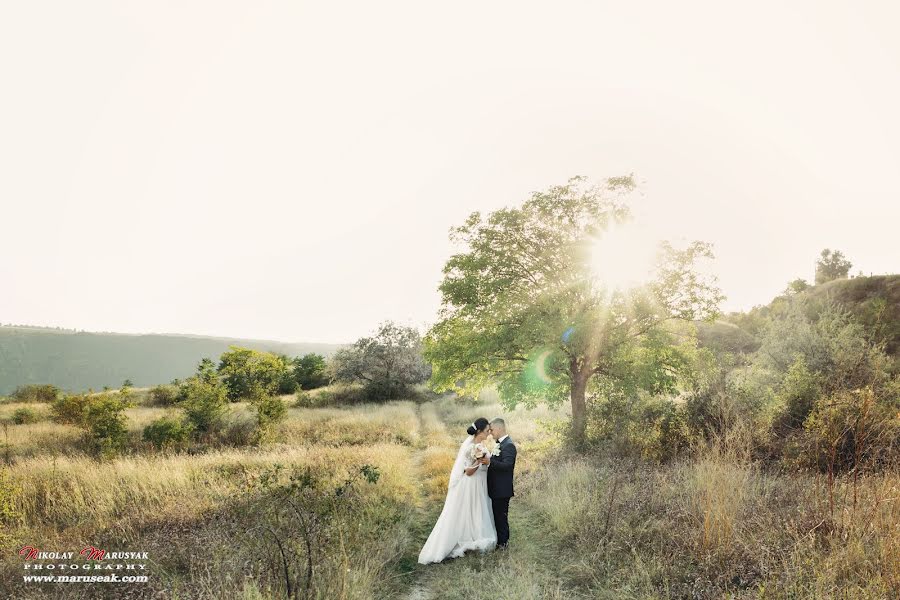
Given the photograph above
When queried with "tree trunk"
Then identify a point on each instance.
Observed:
(579, 407)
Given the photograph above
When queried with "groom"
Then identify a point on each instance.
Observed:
(500, 479)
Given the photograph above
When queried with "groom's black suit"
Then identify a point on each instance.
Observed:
(500, 487)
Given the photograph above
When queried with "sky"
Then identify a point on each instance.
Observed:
(291, 170)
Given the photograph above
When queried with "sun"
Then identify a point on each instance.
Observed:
(622, 257)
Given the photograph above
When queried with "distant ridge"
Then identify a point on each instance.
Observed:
(76, 360)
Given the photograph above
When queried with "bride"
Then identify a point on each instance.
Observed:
(467, 521)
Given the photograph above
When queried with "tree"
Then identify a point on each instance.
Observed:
(521, 308)
(388, 363)
(310, 371)
(250, 373)
(831, 266)
(796, 286)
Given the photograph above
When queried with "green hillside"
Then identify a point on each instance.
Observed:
(78, 361)
(872, 301)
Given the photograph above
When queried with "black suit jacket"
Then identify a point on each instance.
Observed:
(500, 472)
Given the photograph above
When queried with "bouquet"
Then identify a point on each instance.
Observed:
(483, 448)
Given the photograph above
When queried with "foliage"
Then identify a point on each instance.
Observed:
(287, 383)
(296, 519)
(25, 415)
(311, 371)
(106, 422)
(831, 265)
(796, 286)
(250, 373)
(169, 431)
(70, 409)
(204, 399)
(520, 307)
(36, 393)
(388, 363)
(163, 395)
(852, 430)
(270, 410)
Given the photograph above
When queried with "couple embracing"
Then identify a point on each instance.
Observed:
(476, 511)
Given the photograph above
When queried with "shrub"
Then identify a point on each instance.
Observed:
(163, 395)
(653, 427)
(169, 431)
(205, 402)
(339, 394)
(25, 415)
(106, 423)
(269, 411)
(238, 430)
(850, 431)
(36, 393)
(248, 373)
(299, 518)
(70, 409)
(310, 371)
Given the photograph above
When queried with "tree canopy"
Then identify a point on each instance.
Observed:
(387, 363)
(831, 265)
(523, 309)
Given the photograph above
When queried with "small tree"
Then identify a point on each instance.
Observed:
(831, 265)
(204, 399)
(796, 286)
(247, 372)
(310, 371)
(388, 363)
(106, 423)
(70, 409)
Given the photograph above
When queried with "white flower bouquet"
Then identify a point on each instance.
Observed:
(484, 448)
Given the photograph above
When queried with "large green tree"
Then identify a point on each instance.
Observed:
(522, 307)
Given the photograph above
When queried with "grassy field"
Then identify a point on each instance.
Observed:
(716, 526)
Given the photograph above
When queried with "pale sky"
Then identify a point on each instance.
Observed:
(290, 170)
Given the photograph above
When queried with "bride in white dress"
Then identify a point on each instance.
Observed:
(467, 521)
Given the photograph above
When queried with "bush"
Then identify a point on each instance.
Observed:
(653, 427)
(269, 411)
(248, 373)
(25, 415)
(163, 395)
(70, 409)
(341, 394)
(36, 393)
(310, 371)
(851, 431)
(106, 423)
(238, 430)
(168, 432)
(205, 402)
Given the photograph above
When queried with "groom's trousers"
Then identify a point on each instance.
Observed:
(501, 519)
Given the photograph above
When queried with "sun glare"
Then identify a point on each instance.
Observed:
(623, 257)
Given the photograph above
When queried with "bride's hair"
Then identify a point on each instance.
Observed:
(479, 425)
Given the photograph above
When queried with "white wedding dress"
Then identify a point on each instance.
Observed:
(467, 521)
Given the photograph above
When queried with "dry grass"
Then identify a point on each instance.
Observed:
(715, 526)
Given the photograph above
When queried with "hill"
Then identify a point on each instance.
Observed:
(872, 301)
(77, 361)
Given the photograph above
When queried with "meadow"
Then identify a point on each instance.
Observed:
(717, 524)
